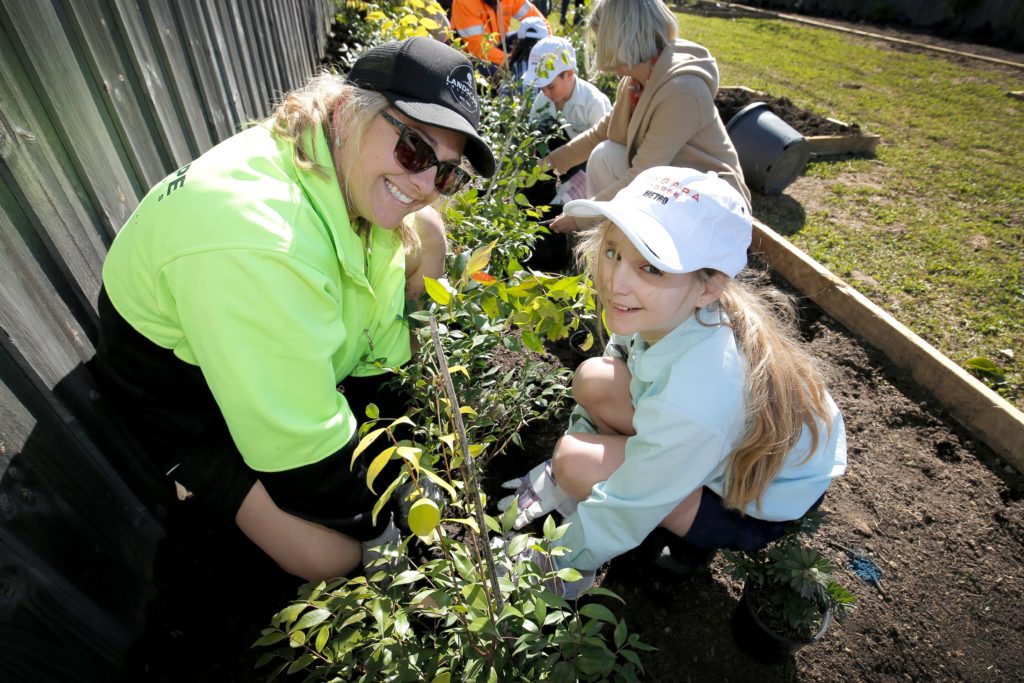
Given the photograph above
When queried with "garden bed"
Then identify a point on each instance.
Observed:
(826, 136)
(939, 514)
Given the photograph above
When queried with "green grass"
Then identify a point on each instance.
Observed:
(937, 219)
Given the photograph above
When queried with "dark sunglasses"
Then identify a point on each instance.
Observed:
(416, 155)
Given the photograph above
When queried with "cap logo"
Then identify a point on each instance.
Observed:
(651, 194)
(673, 188)
(460, 84)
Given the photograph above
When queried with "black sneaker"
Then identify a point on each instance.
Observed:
(681, 560)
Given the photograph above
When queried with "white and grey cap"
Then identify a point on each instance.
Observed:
(680, 219)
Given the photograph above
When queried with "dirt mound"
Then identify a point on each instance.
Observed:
(731, 100)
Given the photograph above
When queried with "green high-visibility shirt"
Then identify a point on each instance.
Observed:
(247, 266)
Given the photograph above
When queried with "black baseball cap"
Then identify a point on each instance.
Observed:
(431, 83)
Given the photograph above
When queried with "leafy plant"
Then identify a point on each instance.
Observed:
(474, 610)
(401, 19)
(437, 622)
(987, 369)
(483, 319)
(790, 583)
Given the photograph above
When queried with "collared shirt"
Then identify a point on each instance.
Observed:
(247, 266)
(689, 393)
(585, 107)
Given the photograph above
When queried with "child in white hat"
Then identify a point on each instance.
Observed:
(565, 97)
(552, 71)
(705, 416)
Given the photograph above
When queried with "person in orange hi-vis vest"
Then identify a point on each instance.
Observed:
(478, 24)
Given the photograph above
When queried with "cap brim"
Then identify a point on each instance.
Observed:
(477, 151)
(533, 80)
(641, 228)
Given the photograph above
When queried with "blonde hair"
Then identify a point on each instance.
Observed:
(325, 99)
(786, 391)
(628, 32)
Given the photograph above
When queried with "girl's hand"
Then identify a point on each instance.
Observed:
(564, 223)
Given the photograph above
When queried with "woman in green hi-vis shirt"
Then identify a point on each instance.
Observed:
(253, 301)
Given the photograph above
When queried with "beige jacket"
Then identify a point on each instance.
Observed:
(675, 123)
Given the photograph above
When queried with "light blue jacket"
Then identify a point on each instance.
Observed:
(688, 392)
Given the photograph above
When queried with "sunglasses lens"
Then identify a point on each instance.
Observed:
(413, 153)
(450, 179)
(416, 156)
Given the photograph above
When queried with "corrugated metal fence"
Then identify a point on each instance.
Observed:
(99, 99)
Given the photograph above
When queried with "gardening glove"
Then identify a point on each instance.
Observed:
(383, 552)
(570, 590)
(538, 494)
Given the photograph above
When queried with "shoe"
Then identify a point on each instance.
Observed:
(680, 560)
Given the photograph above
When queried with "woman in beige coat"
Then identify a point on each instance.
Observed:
(664, 112)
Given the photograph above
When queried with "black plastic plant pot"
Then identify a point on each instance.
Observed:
(759, 641)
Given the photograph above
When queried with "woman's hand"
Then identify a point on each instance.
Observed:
(564, 223)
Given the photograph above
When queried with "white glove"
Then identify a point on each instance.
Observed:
(538, 495)
(546, 564)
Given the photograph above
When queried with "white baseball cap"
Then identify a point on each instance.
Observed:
(533, 27)
(680, 219)
(548, 58)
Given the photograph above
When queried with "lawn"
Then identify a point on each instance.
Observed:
(930, 229)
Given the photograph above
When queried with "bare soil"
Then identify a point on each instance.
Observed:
(933, 508)
(730, 101)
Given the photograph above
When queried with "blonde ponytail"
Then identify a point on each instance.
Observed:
(786, 391)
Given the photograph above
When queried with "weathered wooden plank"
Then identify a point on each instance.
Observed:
(106, 63)
(291, 29)
(65, 505)
(319, 21)
(213, 93)
(32, 313)
(150, 86)
(837, 145)
(220, 51)
(72, 105)
(46, 193)
(253, 39)
(169, 41)
(303, 39)
(326, 11)
(271, 47)
(49, 632)
(236, 59)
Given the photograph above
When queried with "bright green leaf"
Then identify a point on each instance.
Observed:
(377, 466)
(436, 291)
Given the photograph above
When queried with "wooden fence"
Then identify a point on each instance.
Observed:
(99, 99)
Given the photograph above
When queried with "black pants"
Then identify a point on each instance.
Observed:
(171, 411)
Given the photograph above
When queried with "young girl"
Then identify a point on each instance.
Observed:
(705, 416)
